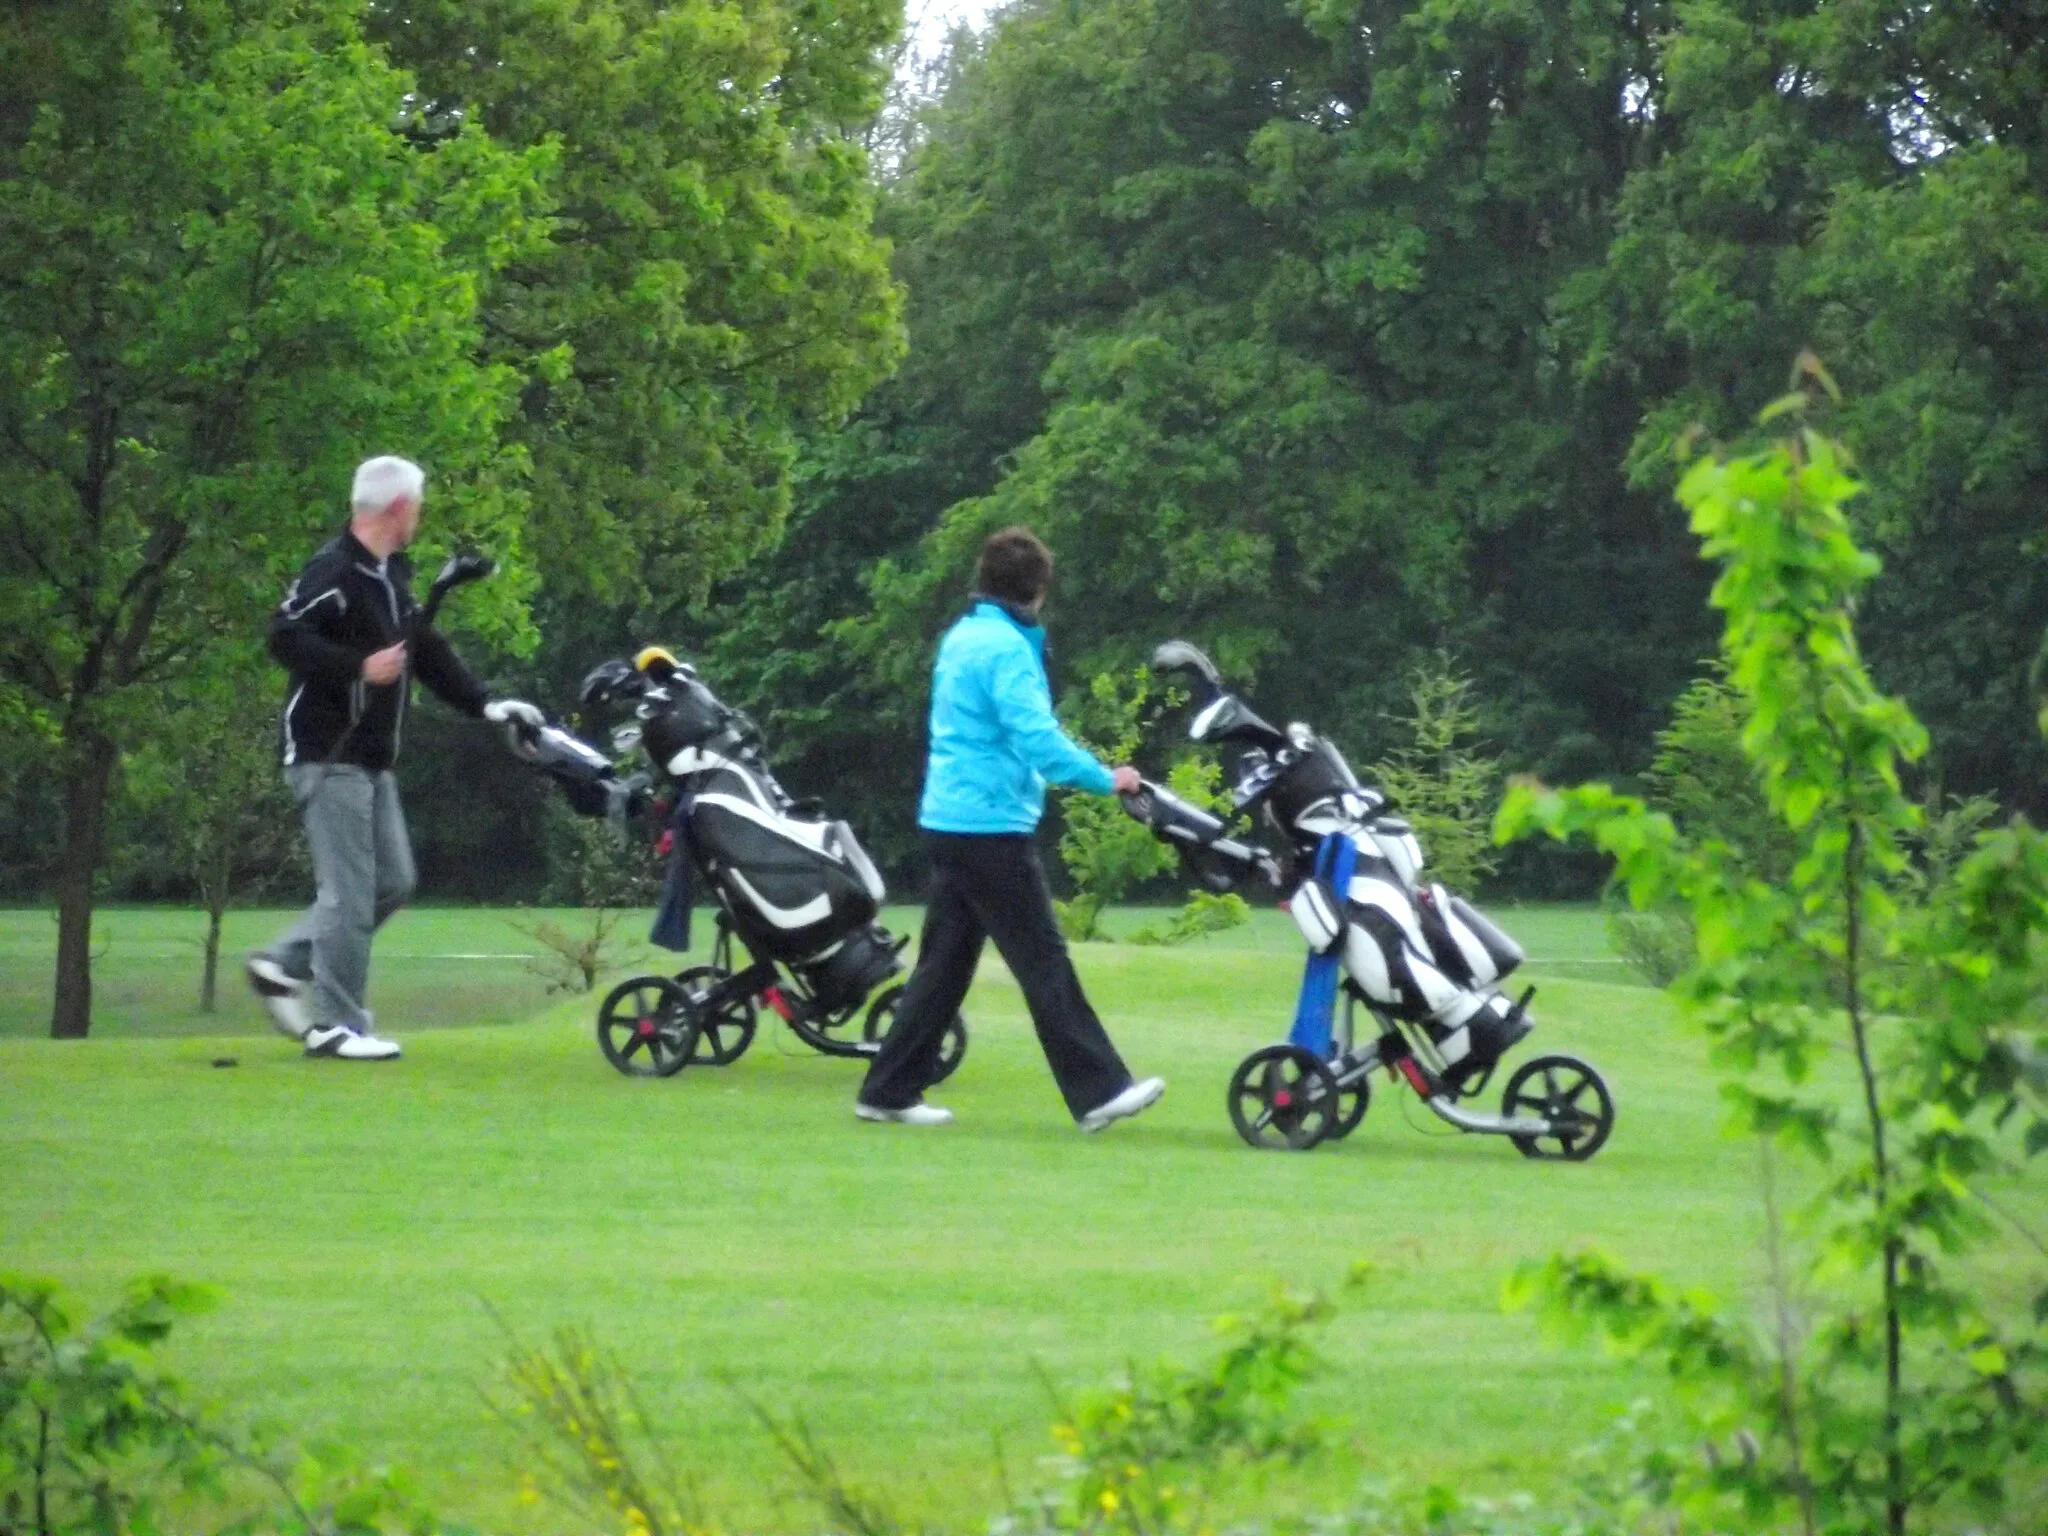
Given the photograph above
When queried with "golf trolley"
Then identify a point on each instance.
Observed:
(1423, 964)
(654, 1026)
(797, 891)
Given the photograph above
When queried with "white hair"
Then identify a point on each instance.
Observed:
(385, 479)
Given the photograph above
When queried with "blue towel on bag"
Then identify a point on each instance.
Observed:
(679, 890)
(1336, 856)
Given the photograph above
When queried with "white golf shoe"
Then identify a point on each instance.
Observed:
(910, 1114)
(338, 1040)
(1133, 1100)
(282, 994)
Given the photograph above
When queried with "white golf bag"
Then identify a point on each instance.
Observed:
(1409, 948)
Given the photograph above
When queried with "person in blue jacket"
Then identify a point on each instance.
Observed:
(995, 744)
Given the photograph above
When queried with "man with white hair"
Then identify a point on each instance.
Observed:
(346, 633)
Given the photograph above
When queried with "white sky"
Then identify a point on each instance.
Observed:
(928, 20)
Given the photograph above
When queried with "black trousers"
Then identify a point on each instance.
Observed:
(993, 887)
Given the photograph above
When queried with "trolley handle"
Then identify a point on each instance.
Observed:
(1198, 834)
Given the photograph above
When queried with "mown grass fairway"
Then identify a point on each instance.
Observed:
(897, 1287)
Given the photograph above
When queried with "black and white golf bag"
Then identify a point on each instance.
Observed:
(1411, 949)
(799, 887)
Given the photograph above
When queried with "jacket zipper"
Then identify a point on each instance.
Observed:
(398, 631)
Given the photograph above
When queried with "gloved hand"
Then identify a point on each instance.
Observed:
(514, 711)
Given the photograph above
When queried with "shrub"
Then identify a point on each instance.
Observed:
(1657, 945)
(95, 1437)
(1143, 1456)
(1198, 780)
(1441, 781)
(1146, 1455)
(587, 1443)
(1889, 1394)
(1704, 780)
(1205, 912)
(1106, 853)
(605, 869)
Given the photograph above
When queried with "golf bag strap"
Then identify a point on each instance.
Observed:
(679, 889)
(1335, 857)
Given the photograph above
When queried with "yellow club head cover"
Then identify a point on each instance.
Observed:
(657, 662)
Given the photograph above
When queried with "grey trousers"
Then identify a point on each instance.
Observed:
(362, 873)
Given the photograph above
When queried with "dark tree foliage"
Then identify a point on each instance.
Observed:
(1867, 179)
(1250, 311)
(1333, 334)
(710, 281)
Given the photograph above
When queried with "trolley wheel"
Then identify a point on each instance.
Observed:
(724, 1032)
(882, 1016)
(1283, 1097)
(1353, 1099)
(1571, 1096)
(643, 1027)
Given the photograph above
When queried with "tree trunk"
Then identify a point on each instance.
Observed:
(212, 969)
(85, 824)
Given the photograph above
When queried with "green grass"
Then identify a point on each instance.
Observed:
(147, 965)
(898, 1287)
(441, 966)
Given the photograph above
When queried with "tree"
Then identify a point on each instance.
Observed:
(1256, 312)
(1349, 331)
(711, 301)
(1703, 780)
(1439, 778)
(1870, 181)
(1911, 1400)
(709, 282)
(222, 275)
(214, 813)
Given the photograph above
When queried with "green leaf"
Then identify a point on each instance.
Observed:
(1988, 1360)
(1783, 405)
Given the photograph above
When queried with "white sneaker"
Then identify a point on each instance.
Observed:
(282, 995)
(910, 1114)
(1134, 1099)
(339, 1040)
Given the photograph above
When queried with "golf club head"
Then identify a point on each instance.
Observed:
(463, 567)
(1179, 656)
(608, 681)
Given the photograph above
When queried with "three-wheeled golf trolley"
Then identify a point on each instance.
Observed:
(796, 890)
(1423, 965)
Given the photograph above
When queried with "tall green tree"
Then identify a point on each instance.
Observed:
(1342, 331)
(1256, 306)
(710, 282)
(223, 279)
(712, 295)
(1870, 180)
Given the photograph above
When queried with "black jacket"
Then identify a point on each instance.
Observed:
(342, 607)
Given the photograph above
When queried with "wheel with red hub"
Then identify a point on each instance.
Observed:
(1283, 1098)
(644, 1027)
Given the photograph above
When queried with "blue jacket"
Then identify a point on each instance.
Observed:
(994, 740)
